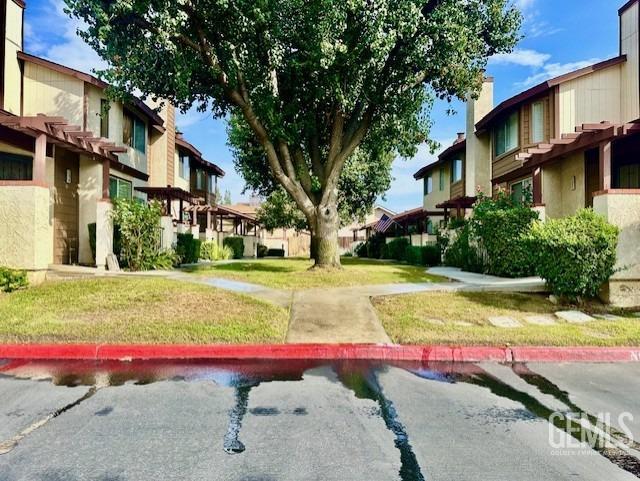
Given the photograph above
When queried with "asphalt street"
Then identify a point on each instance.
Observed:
(318, 421)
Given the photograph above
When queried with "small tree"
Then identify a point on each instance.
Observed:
(139, 224)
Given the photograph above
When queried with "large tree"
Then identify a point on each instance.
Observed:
(312, 79)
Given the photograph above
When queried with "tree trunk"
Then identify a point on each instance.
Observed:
(313, 246)
(325, 237)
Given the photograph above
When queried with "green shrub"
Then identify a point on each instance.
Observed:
(166, 260)
(431, 255)
(275, 253)
(575, 255)
(361, 249)
(460, 252)
(92, 240)
(262, 250)
(212, 251)
(237, 246)
(375, 245)
(12, 280)
(397, 248)
(137, 235)
(500, 229)
(188, 248)
(413, 255)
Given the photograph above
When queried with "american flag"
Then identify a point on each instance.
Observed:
(383, 224)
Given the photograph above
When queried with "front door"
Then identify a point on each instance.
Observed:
(591, 175)
(65, 209)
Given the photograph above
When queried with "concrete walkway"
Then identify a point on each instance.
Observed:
(492, 283)
(334, 316)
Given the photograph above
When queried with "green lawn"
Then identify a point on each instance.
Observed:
(295, 273)
(136, 310)
(438, 318)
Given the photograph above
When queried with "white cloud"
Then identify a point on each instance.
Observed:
(67, 48)
(191, 117)
(524, 57)
(552, 70)
(524, 5)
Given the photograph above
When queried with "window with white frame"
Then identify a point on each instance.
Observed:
(456, 170)
(428, 184)
(183, 166)
(506, 135)
(120, 188)
(537, 122)
(442, 178)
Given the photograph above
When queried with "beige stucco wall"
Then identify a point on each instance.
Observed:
(630, 70)
(53, 93)
(477, 166)
(12, 44)
(623, 210)
(558, 193)
(179, 181)
(438, 196)
(26, 242)
(89, 193)
(590, 99)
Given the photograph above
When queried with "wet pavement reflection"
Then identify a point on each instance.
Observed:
(360, 377)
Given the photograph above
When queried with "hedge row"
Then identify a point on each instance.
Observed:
(400, 250)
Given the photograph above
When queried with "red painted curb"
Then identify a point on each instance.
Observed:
(375, 352)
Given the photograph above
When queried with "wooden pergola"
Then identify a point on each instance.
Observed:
(216, 215)
(167, 195)
(57, 131)
(586, 136)
(459, 204)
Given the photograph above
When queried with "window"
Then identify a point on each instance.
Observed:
(431, 230)
(521, 191)
(134, 132)
(212, 184)
(537, 122)
(428, 184)
(183, 166)
(456, 167)
(201, 178)
(506, 135)
(15, 167)
(628, 177)
(120, 188)
(442, 178)
(104, 118)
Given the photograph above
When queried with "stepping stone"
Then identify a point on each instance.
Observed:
(463, 323)
(607, 317)
(438, 322)
(574, 317)
(504, 321)
(541, 320)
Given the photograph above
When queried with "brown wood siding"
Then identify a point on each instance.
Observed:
(65, 209)
(171, 144)
(457, 189)
(508, 163)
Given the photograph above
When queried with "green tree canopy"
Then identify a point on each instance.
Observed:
(312, 79)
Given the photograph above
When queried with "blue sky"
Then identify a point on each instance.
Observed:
(559, 36)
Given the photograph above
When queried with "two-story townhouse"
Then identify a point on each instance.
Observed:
(573, 142)
(443, 181)
(66, 151)
(451, 183)
(568, 143)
